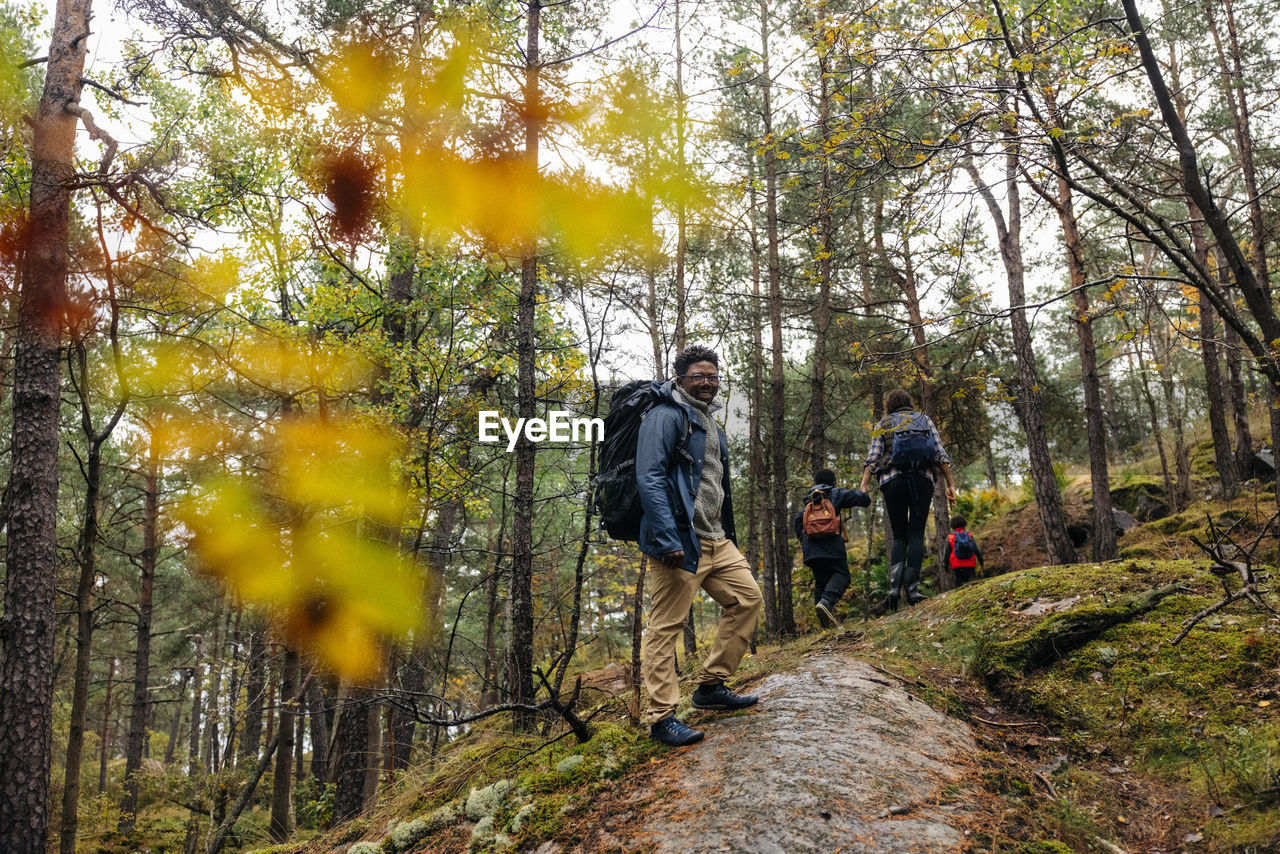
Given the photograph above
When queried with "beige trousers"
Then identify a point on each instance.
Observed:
(724, 573)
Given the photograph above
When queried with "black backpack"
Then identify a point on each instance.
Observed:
(912, 448)
(617, 500)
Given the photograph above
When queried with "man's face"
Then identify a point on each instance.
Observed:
(701, 381)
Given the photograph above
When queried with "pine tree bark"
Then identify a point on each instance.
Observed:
(351, 743)
(27, 665)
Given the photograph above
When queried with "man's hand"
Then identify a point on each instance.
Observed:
(675, 560)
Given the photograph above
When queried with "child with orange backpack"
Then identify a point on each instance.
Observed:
(962, 553)
(822, 538)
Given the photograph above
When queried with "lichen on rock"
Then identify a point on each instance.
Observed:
(483, 803)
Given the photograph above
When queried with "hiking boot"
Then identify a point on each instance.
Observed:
(911, 585)
(721, 699)
(826, 616)
(672, 733)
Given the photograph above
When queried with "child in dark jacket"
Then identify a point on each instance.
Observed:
(826, 555)
(967, 557)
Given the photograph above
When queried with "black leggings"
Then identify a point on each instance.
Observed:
(907, 497)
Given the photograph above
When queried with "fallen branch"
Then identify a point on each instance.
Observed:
(1005, 723)
(1055, 637)
(1224, 566)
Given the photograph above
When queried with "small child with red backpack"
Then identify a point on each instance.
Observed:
(962, 553)
(822, 541)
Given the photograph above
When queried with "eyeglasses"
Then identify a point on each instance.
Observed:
(714, 379)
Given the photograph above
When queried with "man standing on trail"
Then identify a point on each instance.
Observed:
(906, 453)
(682, 476)
(822, 541)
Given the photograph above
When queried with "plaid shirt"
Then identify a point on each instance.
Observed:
(902, 418)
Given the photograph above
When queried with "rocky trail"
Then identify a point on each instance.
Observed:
(836, 757)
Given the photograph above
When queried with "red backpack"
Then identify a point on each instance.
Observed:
(820, 517)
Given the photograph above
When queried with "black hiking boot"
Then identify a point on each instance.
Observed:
(721, 699)
(826, 615)
(672, 733)
(911, 585)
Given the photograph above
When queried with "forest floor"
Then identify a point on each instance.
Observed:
(931, 729)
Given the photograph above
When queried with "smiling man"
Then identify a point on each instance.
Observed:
(682, 475)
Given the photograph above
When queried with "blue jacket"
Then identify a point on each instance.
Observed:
(667, 480)
(828, 548)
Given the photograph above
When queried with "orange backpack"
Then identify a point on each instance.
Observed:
(820, 517)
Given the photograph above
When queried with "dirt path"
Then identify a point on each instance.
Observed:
(836, 757)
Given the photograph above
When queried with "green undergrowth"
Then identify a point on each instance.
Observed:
(493, 790)
(1197, 717)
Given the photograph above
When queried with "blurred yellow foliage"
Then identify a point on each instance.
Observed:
(312, 534)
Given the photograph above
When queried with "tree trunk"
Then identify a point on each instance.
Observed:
(86, 557)
(350, 761)
(1224, 458)
(1048, 501)
(690, 635)
(520, 663)
(1145, 386)
(1181, 455)
(682, 213)
(175, 725)
(760, 517)
(490, 694)
(104, 736)
(197, 693)
(281, 787)
(372, 751)
(300, 742)
(817, 441)
(212, 711)
(319, 731)
(781, 554)
(637, 633)
(1237, 395)
(141, 706)
(27, 667)
(255, 692)
(1104, 526)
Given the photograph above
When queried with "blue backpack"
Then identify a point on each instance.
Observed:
(913, 447)
(964, 547)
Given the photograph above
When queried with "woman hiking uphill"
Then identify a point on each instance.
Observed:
(906, 454)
